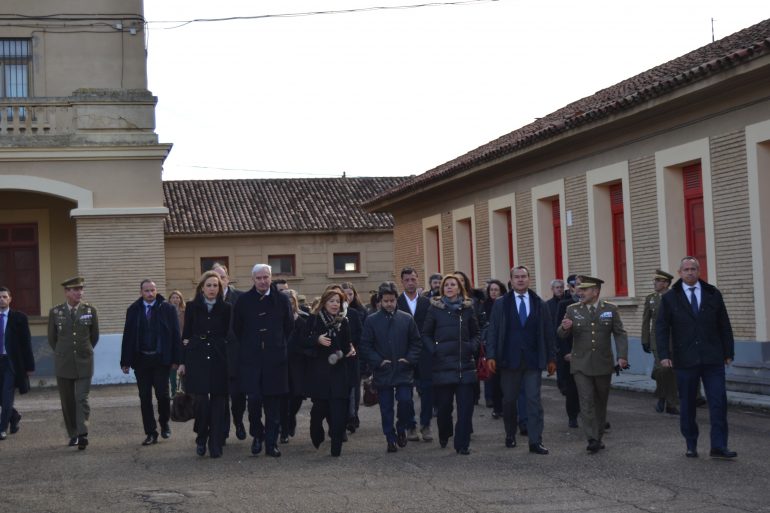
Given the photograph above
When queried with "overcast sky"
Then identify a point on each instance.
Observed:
(393, 92)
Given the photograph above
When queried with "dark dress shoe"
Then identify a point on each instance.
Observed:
(200, 449)
(538, 448)
(510, 442)
(594, 446)
(82, 442)
(660, 405)
(725, 454)
(165, 431)
(401, 440)
(607, 426)
(351, 425)
(284, 439)
(691, 453)
(215, 453)
(240, 431)
(151, 439)
(496, 415)
(392, 447)
(73, 442)
(523, 430)
(464, 451)
(443, 443)
(14, 424)
(700, 401)
(274, 452)
(672, 410)
(256, 446)
(573, 423)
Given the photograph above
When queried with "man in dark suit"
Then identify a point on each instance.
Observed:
(417, 306)
(237, 398)
(694, 336)
(522, 339)
(16, 361)
(152, 347)
(262, 322)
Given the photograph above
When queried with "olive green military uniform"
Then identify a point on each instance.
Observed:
(592, 362)
(665, 378)
(73, 335)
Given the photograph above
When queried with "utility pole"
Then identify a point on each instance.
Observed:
(712, 30)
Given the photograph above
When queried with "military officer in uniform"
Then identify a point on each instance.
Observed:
(665, 379)
(592, 324)
(73, 331)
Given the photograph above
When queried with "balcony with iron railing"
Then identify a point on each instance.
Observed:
(89, 116)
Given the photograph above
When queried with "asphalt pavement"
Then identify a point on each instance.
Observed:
(643, 467)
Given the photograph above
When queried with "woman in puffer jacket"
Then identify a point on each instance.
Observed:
(451, 336)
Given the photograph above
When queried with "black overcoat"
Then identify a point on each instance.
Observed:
(391, 336)
(322, 379)
(451, 339)
(262, 325)
(298, 356)
(168, 332)
(18, 346)
(689, 340)
(205, 355)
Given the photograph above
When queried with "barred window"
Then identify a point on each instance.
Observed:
(15, 60)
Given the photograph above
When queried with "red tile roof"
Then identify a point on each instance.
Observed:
(284, 205)
(709, 60)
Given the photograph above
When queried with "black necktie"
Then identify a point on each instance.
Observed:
(693, 301)
(522, 310)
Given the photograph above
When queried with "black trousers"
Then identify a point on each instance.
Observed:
(268, 431)
(572, 402)
(290, 405)
(150, 376)
(209, 415)
(443, 397)
(336, 413)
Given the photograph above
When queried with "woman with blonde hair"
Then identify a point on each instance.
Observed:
(328, 342)
(204, 361)
(451, 337)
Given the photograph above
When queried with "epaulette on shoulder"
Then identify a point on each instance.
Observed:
(608, 303)
(573, 305)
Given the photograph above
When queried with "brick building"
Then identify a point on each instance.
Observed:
(673, 161)
(311, 231)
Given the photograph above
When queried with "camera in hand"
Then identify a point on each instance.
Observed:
(335, 357)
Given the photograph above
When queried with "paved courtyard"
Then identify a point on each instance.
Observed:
(642, 469)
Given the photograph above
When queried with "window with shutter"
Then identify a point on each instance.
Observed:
(619, 240)
(556, 216)
(695, 223)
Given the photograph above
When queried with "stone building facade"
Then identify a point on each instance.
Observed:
(671, 162)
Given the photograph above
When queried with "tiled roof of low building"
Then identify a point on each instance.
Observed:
(200, 207)
(700, 64)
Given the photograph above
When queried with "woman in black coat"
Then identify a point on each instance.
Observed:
(204, 361)
(451, 336)
(292, 402)
(493, 394)
(327, 378)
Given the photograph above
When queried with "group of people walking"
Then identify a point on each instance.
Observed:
(259, 351)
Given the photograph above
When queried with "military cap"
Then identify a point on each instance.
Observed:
(586, 282)
(571, 279)
(663, 275)
(75, 281)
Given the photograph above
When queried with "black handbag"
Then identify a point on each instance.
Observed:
(182, 405)
(370, 392)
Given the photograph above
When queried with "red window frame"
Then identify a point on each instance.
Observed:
(509, 222)
(695, 222)
(556, 218)
(619, 240)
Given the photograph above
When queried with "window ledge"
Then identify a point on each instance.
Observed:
(348, 275)
(625, 300)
